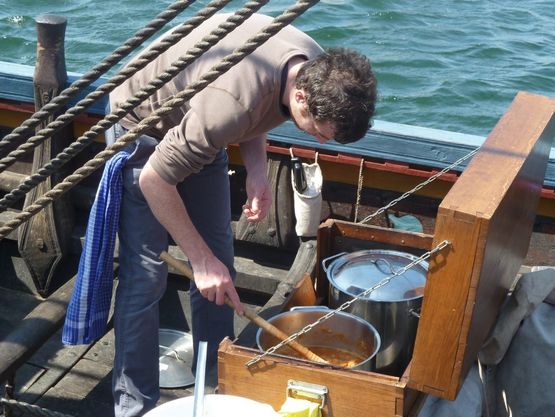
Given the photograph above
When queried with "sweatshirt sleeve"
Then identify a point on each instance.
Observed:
(214, 120)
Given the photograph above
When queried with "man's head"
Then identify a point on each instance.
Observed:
(338, 92)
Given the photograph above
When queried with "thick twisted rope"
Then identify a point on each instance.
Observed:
(206, 43)
(111, 84)
(55, 104)
(180, 99)
(33, 410)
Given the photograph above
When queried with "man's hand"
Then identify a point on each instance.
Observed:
(211, 275)
(259, 198)
(214, 283)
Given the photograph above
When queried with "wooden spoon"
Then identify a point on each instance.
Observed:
(251, 315)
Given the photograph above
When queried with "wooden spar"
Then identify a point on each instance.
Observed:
(44, 238)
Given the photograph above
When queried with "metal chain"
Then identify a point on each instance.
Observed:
(47, 110)
(141, 62)
(419, 186)
(179, 65)
(34, 410)
(181, 98)
(347, 304)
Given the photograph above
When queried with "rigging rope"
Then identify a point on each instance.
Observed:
(56, 103)
(181, 98)
(179, 65)
(111, 84)
(32, 409)
(359, 188)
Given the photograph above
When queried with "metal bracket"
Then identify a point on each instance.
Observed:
(307, 391)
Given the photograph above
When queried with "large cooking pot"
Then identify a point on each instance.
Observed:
(393, 309)
(343, 339)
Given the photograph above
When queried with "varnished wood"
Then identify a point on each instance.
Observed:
(350, 393)
(375, 394)
(303, 294)
(488, 217)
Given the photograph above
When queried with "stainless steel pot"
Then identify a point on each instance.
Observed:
(342, 332)
(393, 309)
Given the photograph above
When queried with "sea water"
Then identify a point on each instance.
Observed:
(451, 65)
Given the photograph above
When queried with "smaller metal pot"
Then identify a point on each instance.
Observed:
(342, 332)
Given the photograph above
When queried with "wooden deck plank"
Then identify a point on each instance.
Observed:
(14, 306)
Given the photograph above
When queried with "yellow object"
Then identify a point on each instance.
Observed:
(294, 407)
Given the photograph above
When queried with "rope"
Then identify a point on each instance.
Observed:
(55, 104)
(347, 304)
(419, 186)
(77, 146)
(34, 410)
(359, 188)
(111, 84)
(181, 98)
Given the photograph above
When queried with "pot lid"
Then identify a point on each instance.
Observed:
(176, 357)
(353, 273)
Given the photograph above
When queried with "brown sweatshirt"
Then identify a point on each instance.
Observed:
(240, 105)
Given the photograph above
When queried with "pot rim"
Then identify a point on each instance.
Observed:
(325, 310)
(343, 258)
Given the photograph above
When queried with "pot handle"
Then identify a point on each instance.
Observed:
(301, 308)
(324, 266)
(415, 312)
(386, 262)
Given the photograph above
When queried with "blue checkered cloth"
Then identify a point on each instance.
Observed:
(87, 313)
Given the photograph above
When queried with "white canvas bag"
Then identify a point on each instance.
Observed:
(307, 202)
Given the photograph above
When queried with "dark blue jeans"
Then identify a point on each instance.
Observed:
(142, 277)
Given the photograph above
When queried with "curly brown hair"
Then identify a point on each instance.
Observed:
(340, 88)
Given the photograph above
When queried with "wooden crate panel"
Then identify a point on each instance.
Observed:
(351, 393)
(487, 216)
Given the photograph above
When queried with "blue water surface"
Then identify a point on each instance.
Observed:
(451, 65)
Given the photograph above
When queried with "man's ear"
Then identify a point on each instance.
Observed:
(300, 97)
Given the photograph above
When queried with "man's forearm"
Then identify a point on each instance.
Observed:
(212, 277)
(259, 197)
(253, 154)
(167, 206)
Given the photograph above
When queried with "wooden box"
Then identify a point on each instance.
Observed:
(487, 218)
